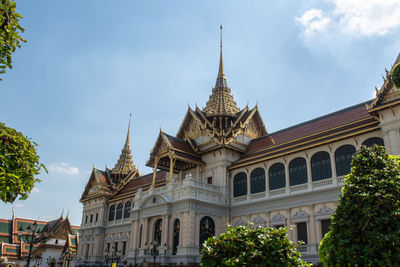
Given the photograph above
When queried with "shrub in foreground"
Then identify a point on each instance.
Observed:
(251, 246)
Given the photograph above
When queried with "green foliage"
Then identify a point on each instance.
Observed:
(396, 75)
(10, 31)
(365, 228)
(19, 163)
(248, 246)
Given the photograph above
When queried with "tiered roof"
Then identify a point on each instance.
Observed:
(221, 102)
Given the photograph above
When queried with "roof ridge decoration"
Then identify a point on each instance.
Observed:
(125, 163)
(387, 93)
(221, 102)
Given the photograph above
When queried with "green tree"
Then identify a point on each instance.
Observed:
(365, 228)
(10, 30)
(251, 246)
(19, 163)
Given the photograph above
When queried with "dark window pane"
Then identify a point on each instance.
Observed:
(298, 171)
(277, 176)
(176, 237)
(321, 166)
(158, 231)
(325, 226)
(127, 209)
(207, 229)
(257, 180)
(119, 211)
(111, 213)
(240, 184)
(302, 232)
(373, 141)
(343, 157)
(97, 217)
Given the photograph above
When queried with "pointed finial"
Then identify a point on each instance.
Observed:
(129, 128)
(220, 27)
(62, 213)
(67, 214)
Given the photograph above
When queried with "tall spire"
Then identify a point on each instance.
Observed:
(221, 101)
(221, 78)
(125, 163)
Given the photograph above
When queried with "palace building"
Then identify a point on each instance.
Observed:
(224, 167)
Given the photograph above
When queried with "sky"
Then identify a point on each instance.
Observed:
(88, 64)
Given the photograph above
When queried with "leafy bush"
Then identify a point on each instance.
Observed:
(10, 31)
(247, 246)
(396, 75)
(365, 228)
(19, 163)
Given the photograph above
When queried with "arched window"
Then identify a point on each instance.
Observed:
(207, 229)
(257, 180)
(373, 141)
(343, 157)
(240, 184)
(298, 171)
(321, 166)
(111, 213)
(119, 211)
(158, 231)
(175, 244)
(127, 209)
(277, 176)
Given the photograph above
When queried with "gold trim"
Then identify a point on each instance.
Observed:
(318, 133)
(384, 106)
(300, 149)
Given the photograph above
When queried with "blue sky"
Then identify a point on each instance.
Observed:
(88, 64)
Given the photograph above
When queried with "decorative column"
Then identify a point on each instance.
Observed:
(155, 171)
(287, 179)
(313, 238)
(309, 173)
(333, 167)
(171, 168)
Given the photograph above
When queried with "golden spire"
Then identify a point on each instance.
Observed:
(221, 101)
(125, 163)
(221, 73)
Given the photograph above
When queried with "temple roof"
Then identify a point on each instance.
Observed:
(125, 163)
(221, 102)
(338, 125)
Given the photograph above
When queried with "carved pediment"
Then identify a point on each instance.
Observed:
(259, 222)
(300, 215)
(239, 222)
(278, 219)
(324, 211)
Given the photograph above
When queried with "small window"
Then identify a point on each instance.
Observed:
(56, 241)
(115, 246)
(325, 224)
(240, 184)
(86, 219)
(108, 247)
(277, 176)
(321, 166)
(298, 171)
(119, 212)
(127, 209)
(209, 180)
(91, 218)
(302, 232)
(279, 226)
(123, 248)
(257, 181)
(373, 141)
(111, 213)
(97, 217)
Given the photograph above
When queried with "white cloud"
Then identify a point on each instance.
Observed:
(19, 205)
(354, 17)
(36, 190)
(313, 21)
(63, 168)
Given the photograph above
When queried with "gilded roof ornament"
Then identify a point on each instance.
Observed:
(221, 102)
(125, 163)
